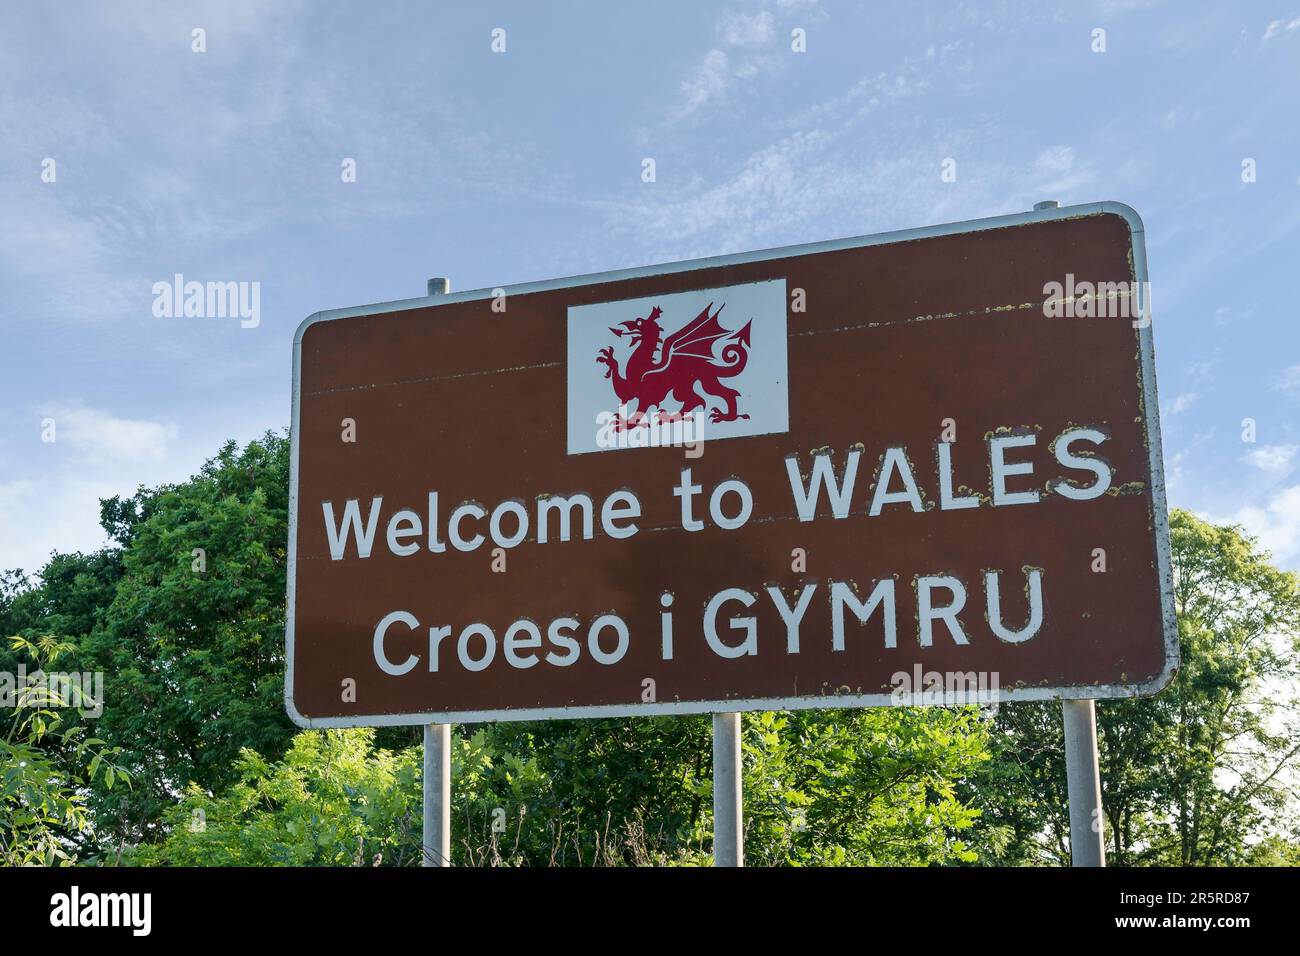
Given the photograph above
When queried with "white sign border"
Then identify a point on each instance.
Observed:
(1151, 409)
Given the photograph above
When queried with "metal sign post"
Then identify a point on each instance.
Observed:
(1082, 774)
(436, 843)
(1087, 839)
(437, 795)
(728, 826)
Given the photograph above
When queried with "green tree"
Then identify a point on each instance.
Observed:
(46, 763)
(861, 787)
(336, 799)
(333, 800)
(619, 790)
(70, 598)
(191, 642)
(1199, 774)
(841, 787)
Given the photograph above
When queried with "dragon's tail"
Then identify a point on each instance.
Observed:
(735, 354)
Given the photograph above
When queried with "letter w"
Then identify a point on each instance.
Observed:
(351, 522)
(839, 493)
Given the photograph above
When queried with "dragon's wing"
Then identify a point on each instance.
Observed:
(695, 338)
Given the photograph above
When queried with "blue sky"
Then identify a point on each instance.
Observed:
(494, 168)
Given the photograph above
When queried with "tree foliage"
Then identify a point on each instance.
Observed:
(191, 643)
(1199, 774)
(46, 764)
(837, 788)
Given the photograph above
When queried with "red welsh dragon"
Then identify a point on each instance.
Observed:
(685, 360)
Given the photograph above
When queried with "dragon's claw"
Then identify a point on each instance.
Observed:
(635, 420)
(606, 358)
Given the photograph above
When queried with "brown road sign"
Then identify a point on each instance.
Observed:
(851, 473)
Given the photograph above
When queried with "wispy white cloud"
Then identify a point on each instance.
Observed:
(1230, 314)
(806, 185)
(748, 48)
(99, 436)
(1278, 27)
(709, 81)
(738, 28)
(240, 140)
(849, 163)
(1058, 172)
(1202, 372)
(1272, 458)
(1276, 523)
(1289, 380)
